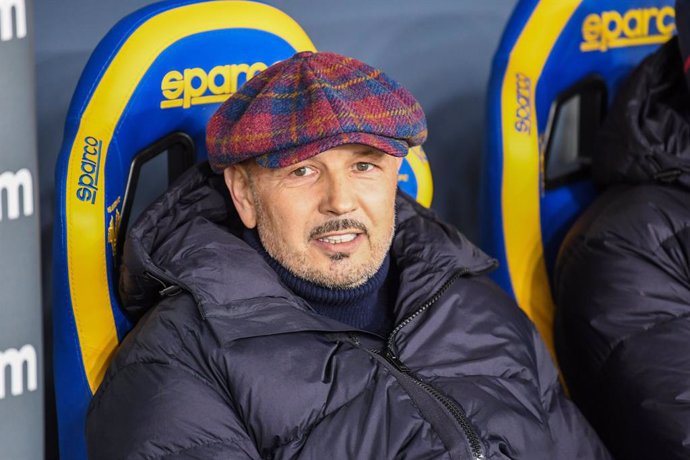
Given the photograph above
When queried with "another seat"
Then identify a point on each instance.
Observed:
(141, 105)
(557, 66)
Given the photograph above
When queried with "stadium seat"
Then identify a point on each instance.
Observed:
(557, 67)
(138, 116)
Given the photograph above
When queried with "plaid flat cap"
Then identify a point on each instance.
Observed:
(310, 103)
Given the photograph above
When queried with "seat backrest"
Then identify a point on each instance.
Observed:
(143, 101)
(557, 67)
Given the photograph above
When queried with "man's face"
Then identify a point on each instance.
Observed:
(329, 219)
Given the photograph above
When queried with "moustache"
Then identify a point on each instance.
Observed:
(337, 226)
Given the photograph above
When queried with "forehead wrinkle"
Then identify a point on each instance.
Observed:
(369, 152)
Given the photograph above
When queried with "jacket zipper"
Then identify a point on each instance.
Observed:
(456, 411)
(460, 417)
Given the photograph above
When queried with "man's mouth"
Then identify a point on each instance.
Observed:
(338, 239)
(339, 246)
(338, 231)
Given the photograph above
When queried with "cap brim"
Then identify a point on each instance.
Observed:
(287, 157)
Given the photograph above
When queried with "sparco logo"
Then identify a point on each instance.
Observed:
(8, 10)
(10, 186)
(635, 27)
(90, 165)
(196, 86)
(523, 113)
(17, 361)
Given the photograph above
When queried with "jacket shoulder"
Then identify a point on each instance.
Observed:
(625, 262)
(171, 333)
(161, 374)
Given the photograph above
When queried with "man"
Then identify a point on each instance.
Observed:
(303, 309)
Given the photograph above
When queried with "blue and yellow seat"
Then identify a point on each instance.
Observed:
(557, 68)
(145, 94)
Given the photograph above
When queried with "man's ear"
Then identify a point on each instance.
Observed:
(237, 180)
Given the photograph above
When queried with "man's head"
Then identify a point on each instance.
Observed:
(328, 219)
(310, 150)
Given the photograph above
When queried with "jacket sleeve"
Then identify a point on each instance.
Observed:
(158, 410)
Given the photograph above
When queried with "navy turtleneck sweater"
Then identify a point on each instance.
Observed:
(367, 307)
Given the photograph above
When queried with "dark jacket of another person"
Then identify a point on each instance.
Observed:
(622, 281)
(231, 364)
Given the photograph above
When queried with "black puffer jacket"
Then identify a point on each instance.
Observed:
(622, 281)
(236, 366)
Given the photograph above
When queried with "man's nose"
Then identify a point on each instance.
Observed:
(339, 195)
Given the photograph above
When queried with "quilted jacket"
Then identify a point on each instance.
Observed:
(226, 362)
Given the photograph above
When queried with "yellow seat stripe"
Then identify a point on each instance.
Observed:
(86, 235)
(522, 163)
(425, 184)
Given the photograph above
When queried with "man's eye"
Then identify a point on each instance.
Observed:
(362, 166)
(303, 171)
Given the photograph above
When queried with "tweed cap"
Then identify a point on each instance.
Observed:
(310, 103)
